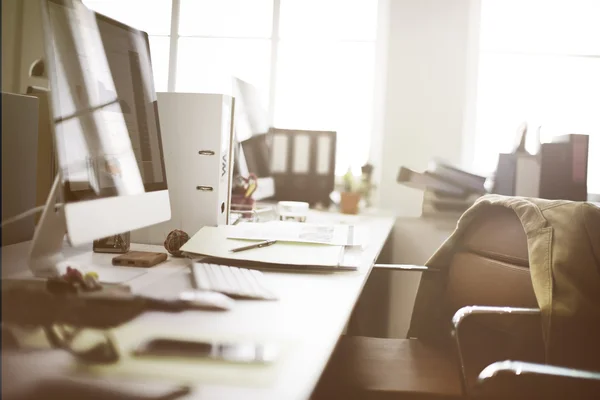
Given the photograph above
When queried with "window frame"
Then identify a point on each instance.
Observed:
(174, 37)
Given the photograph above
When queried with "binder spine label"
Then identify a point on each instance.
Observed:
(579, 159)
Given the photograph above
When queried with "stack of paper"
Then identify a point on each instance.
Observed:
(339, 235)
(216, 244)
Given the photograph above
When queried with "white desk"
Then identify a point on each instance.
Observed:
(306, 322)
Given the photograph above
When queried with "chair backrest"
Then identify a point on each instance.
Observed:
(487, 264)
(491, 268)
(483, 263)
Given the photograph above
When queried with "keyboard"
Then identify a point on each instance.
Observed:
(241, 283)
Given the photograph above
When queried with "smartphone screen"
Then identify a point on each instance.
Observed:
(232, 352)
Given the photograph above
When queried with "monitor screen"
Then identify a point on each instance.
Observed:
(104, 104)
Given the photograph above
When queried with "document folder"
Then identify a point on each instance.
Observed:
(211, 243)
(303, 164)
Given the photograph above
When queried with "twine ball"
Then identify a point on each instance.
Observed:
(175, 239)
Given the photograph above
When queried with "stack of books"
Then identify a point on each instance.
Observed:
(558, 172)
(448, 191)
(439, 204)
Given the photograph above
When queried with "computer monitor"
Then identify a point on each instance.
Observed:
(251, 116)
(252, 138)
(251, 119)
(107, 133)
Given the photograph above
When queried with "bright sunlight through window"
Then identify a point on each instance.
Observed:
(539, 63)
(315, 72)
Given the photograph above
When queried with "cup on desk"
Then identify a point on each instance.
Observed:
(292, 211)
(349, 202)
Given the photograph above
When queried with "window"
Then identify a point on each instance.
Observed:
(539, 63)
(312, 60)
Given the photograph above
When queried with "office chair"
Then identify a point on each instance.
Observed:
(521, 380)
(439, 360)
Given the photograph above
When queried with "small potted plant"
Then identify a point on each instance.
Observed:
(367, 186)
(351, 195)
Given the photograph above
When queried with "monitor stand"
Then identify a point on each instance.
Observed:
(46, 258)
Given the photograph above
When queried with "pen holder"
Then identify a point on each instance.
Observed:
(244, 204)
(349, 202)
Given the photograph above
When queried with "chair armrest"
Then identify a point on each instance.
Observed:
(522, 368)
(513, 379)
(405, 267)
(462, 313)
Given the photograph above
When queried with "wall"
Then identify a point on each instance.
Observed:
(379, 94)
(430, 74)
(428, 85)
(22, 44)
(12, 15)
(33, 45)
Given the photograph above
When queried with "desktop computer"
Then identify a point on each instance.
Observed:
(108, 142)
(105, 118)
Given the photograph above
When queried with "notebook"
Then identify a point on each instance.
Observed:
(288, 231)
(213, 245)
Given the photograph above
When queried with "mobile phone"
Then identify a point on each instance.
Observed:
(232, 352)
(143, 259)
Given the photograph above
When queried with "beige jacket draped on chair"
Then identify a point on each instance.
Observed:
(563, 239)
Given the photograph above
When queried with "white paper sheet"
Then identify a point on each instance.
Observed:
(337, 235)
(213, 242)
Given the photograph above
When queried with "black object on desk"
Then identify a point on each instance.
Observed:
(99, 310)
(230, 352)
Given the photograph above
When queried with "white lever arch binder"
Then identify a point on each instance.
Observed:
(197, 132)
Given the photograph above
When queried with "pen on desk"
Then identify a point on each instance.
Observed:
(254, 246)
